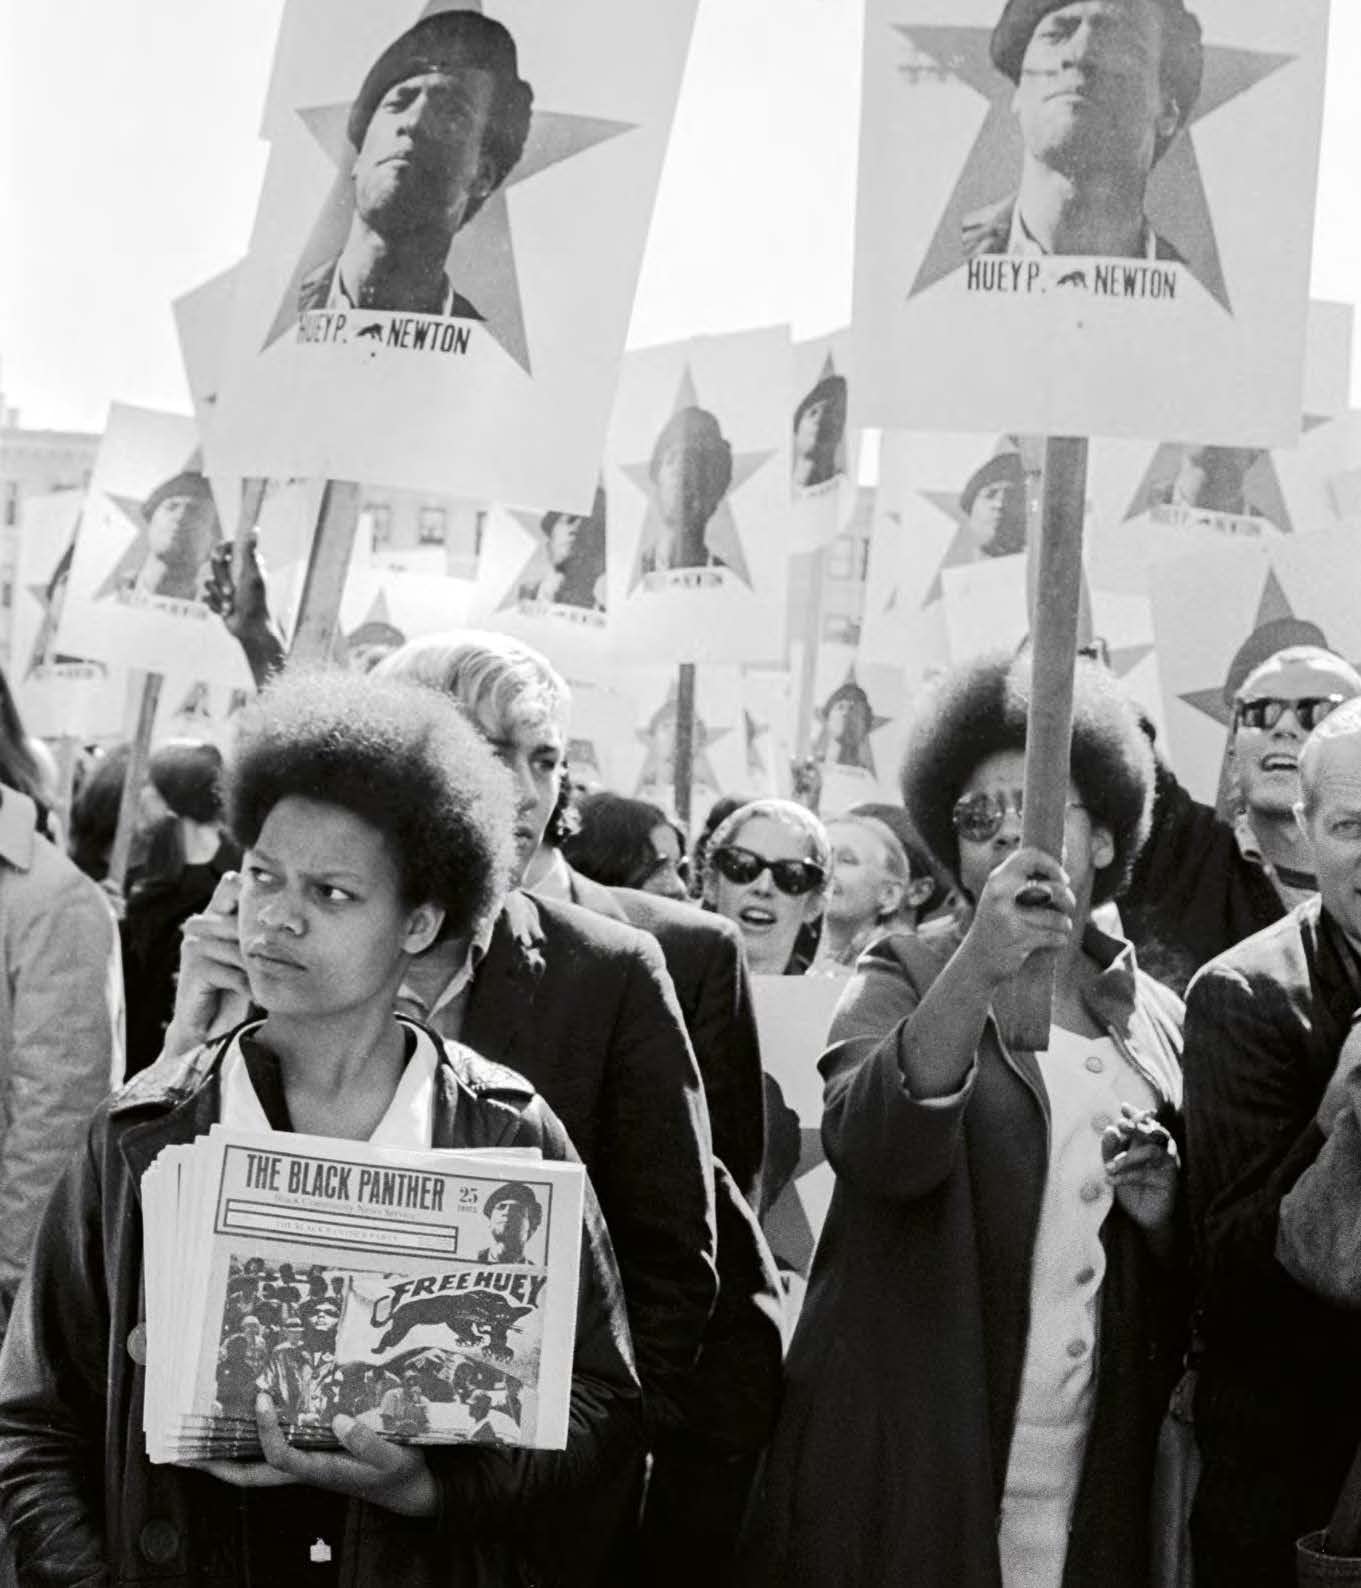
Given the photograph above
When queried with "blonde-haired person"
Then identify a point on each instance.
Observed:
(767, 869)
(872, 890)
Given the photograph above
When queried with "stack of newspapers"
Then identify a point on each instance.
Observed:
(432, 1295)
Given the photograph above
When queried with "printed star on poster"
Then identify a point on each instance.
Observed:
(182, 515)
(1276, 625)
(658, 775)
(847, 723)
(1087, 217)
(687, 482)
(1177, 207)
(481, 256)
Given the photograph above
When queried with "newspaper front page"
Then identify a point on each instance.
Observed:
(431, 1295)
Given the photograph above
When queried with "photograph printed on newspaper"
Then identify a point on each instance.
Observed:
(431, 1295)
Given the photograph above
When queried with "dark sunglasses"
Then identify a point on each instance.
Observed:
(1266, 712)
(979, 817)
(794, 877)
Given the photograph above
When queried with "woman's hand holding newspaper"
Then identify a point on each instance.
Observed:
(397, 1477)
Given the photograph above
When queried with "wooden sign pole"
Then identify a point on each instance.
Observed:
(807, 785)
(685, 743)
(1026, 1008)
(332, 547)
(132, 782)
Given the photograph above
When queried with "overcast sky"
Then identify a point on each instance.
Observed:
(130, 166)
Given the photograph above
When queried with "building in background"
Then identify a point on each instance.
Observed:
(32, 463)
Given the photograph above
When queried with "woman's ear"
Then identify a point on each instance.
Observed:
(1103, 847)
(422, 928)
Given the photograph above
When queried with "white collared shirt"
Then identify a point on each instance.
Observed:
(408, 1122)
(1023, 241)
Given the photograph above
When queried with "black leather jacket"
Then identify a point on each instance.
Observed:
(84, 1506)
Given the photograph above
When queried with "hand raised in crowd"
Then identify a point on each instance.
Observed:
(1006, 930)
(234, 587)
(212, 993)
(1142, 1166)
(396, 1477)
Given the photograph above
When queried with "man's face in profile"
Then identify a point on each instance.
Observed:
(422, 157)
(562, 538)
(997, 518)
(817, 428)
(1090, 95)
(181, 530)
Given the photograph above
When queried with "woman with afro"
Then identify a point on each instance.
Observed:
(992, 1330)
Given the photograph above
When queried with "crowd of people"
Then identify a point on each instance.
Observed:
(1033, 1263)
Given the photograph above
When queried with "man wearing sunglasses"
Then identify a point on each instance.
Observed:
(1272, 1154)
(1203, 884)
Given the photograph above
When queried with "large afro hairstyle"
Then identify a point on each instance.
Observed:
(398, 755)
(982, 707)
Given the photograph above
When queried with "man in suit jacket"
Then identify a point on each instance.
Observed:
(703, 1468)
(1278, 1402)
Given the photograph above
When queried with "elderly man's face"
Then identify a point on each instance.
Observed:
(423, 159)
(1333, 828)
(1267, 760)
(182, 529)
(1090, 96)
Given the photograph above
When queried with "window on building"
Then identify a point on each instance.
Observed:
(380, 523)
(11, 503)
(838, 628)
(841, 558)
(6, 595)
(432, 526)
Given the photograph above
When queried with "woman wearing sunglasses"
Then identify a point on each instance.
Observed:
(991, 1331)
(767, 869)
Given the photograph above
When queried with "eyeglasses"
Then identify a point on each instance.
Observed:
(979, 817)
(794, 877)
(1266, 712)
(658, 864)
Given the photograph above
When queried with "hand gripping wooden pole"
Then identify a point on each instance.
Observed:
(1025, 1007)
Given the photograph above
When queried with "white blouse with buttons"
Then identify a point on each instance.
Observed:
(1087, 1079)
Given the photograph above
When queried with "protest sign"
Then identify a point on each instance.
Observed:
(1301, 590)
(1040, 247)
(824, 445)
(443, 263)
(60, 694)
(543, 579)
(149, 526)
(698, 483)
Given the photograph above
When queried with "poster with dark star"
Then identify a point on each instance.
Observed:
(542, 577)
(1088, 218)
(944, 501)
(719, 764)
(858, 727)
(697, 476)
(443, 264)
(825, 443)
(1302, 589)
(150, 524)
(60, 693)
